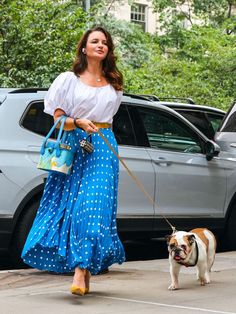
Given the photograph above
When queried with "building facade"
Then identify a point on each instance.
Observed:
(140, 12)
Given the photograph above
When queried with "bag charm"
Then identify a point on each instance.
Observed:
(86, 145)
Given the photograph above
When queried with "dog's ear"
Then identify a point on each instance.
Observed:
(168, 237)
(191, 239)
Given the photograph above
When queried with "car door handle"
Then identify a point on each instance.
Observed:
(162, 162)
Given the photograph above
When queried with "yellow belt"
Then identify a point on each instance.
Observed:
(102, 125)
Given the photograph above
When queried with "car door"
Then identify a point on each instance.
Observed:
(135, 212)
(187, 185)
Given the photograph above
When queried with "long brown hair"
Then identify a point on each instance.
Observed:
(110, 70)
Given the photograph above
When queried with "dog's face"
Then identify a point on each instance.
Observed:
(179, 245)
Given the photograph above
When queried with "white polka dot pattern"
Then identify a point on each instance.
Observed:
(76, 222)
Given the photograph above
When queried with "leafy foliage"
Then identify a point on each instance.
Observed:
(203, 68)
(211, 11)
(174, 14)
(38, 40)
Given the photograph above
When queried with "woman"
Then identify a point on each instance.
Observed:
(75, 226)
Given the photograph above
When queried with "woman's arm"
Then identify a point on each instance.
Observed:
(72, 124)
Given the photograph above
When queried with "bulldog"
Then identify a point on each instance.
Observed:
(194, 248)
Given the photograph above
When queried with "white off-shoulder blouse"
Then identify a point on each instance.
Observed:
(79, 100)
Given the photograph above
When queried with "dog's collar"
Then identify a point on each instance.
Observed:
(186, 264)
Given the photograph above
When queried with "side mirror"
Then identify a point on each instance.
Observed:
(212, 150)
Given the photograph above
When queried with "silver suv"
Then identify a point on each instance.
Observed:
(192, 182)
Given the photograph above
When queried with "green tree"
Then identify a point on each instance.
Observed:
(174, 14)
(203, 68)
(37, 40)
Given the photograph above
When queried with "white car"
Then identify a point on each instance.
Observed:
(192, 182)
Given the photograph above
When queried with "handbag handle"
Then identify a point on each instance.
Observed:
(63, 119)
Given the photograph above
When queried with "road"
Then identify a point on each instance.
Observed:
(138, 286)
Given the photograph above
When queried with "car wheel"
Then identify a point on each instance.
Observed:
(21, 233)
(230, 242)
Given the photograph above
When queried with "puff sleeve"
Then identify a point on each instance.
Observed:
(56, 97)
(119, 97)
(118, 101)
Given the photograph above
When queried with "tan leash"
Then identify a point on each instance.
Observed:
(136, 180)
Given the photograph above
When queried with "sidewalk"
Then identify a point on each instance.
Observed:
(134, 287)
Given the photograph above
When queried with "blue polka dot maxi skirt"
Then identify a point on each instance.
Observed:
(75, 225)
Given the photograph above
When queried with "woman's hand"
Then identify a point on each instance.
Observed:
(86, 125)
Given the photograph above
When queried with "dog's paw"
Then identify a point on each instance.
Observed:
(207, 278)
(204, 281)
(173, 287)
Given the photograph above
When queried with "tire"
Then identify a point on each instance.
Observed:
(20, 235)
(230, 239)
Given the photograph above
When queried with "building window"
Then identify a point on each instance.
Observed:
(138, 15)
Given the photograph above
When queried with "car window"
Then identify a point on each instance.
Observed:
(36, 120)
(215, 120)
(122, 127)
(167, 132)
(200, 120)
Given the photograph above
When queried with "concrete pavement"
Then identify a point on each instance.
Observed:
(135, 287)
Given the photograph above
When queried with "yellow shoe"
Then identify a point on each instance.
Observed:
(74, 289)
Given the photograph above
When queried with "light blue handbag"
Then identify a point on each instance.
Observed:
(56, 155)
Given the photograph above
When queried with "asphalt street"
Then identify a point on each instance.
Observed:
(134, 287)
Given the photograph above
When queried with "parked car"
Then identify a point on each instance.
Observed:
(226, 135)
(207, 119)
(192, 182)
